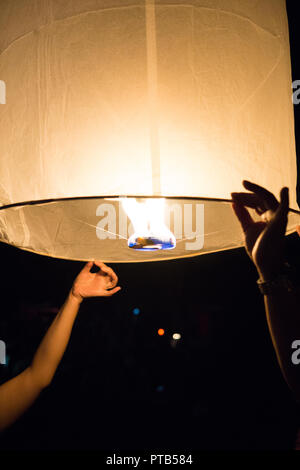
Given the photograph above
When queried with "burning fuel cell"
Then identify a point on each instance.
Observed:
(150, 230)
(151, 243)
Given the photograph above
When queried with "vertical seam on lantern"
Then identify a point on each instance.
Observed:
(152, 95)
(39, 79)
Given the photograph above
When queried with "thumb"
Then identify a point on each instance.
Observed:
(112, 291)
(279, 222)
(88, 266)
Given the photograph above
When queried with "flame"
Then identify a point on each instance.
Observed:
(151, 232)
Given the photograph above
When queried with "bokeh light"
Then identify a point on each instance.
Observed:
(136, 311)
(176, 336)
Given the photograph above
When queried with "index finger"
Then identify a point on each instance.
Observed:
(107, 270)
(268, 198)
(243, 215)
(248, 199)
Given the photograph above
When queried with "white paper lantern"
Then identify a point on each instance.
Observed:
(106, 98)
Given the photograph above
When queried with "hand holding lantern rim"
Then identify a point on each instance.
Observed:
(264, 240)
(101, 283)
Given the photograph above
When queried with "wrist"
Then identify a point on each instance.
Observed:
(75, 296)
(268, 274)
(283, 279)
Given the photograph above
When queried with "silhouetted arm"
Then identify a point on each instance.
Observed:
(19, 393)
(264, 241)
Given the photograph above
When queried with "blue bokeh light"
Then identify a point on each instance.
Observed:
(136, 311)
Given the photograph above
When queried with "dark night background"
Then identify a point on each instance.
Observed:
(120, 385)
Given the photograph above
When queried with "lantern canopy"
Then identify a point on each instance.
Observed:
(143, 99)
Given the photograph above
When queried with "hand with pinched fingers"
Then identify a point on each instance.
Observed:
(100, 284)
(264, 240)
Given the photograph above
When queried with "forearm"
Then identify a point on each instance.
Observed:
(54, 343)
(16, 396)
(283, 317)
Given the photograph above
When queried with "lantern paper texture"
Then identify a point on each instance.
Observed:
(107, 98)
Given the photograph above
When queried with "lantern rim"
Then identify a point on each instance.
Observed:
(27, 237)
(78, 198)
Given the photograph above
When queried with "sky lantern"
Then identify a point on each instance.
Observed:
(127, 124)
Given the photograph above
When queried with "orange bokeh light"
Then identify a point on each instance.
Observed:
(161, 331)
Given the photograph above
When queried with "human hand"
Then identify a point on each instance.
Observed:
(264, 240)
(99, 284)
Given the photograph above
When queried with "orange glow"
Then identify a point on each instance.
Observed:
(161, 331)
